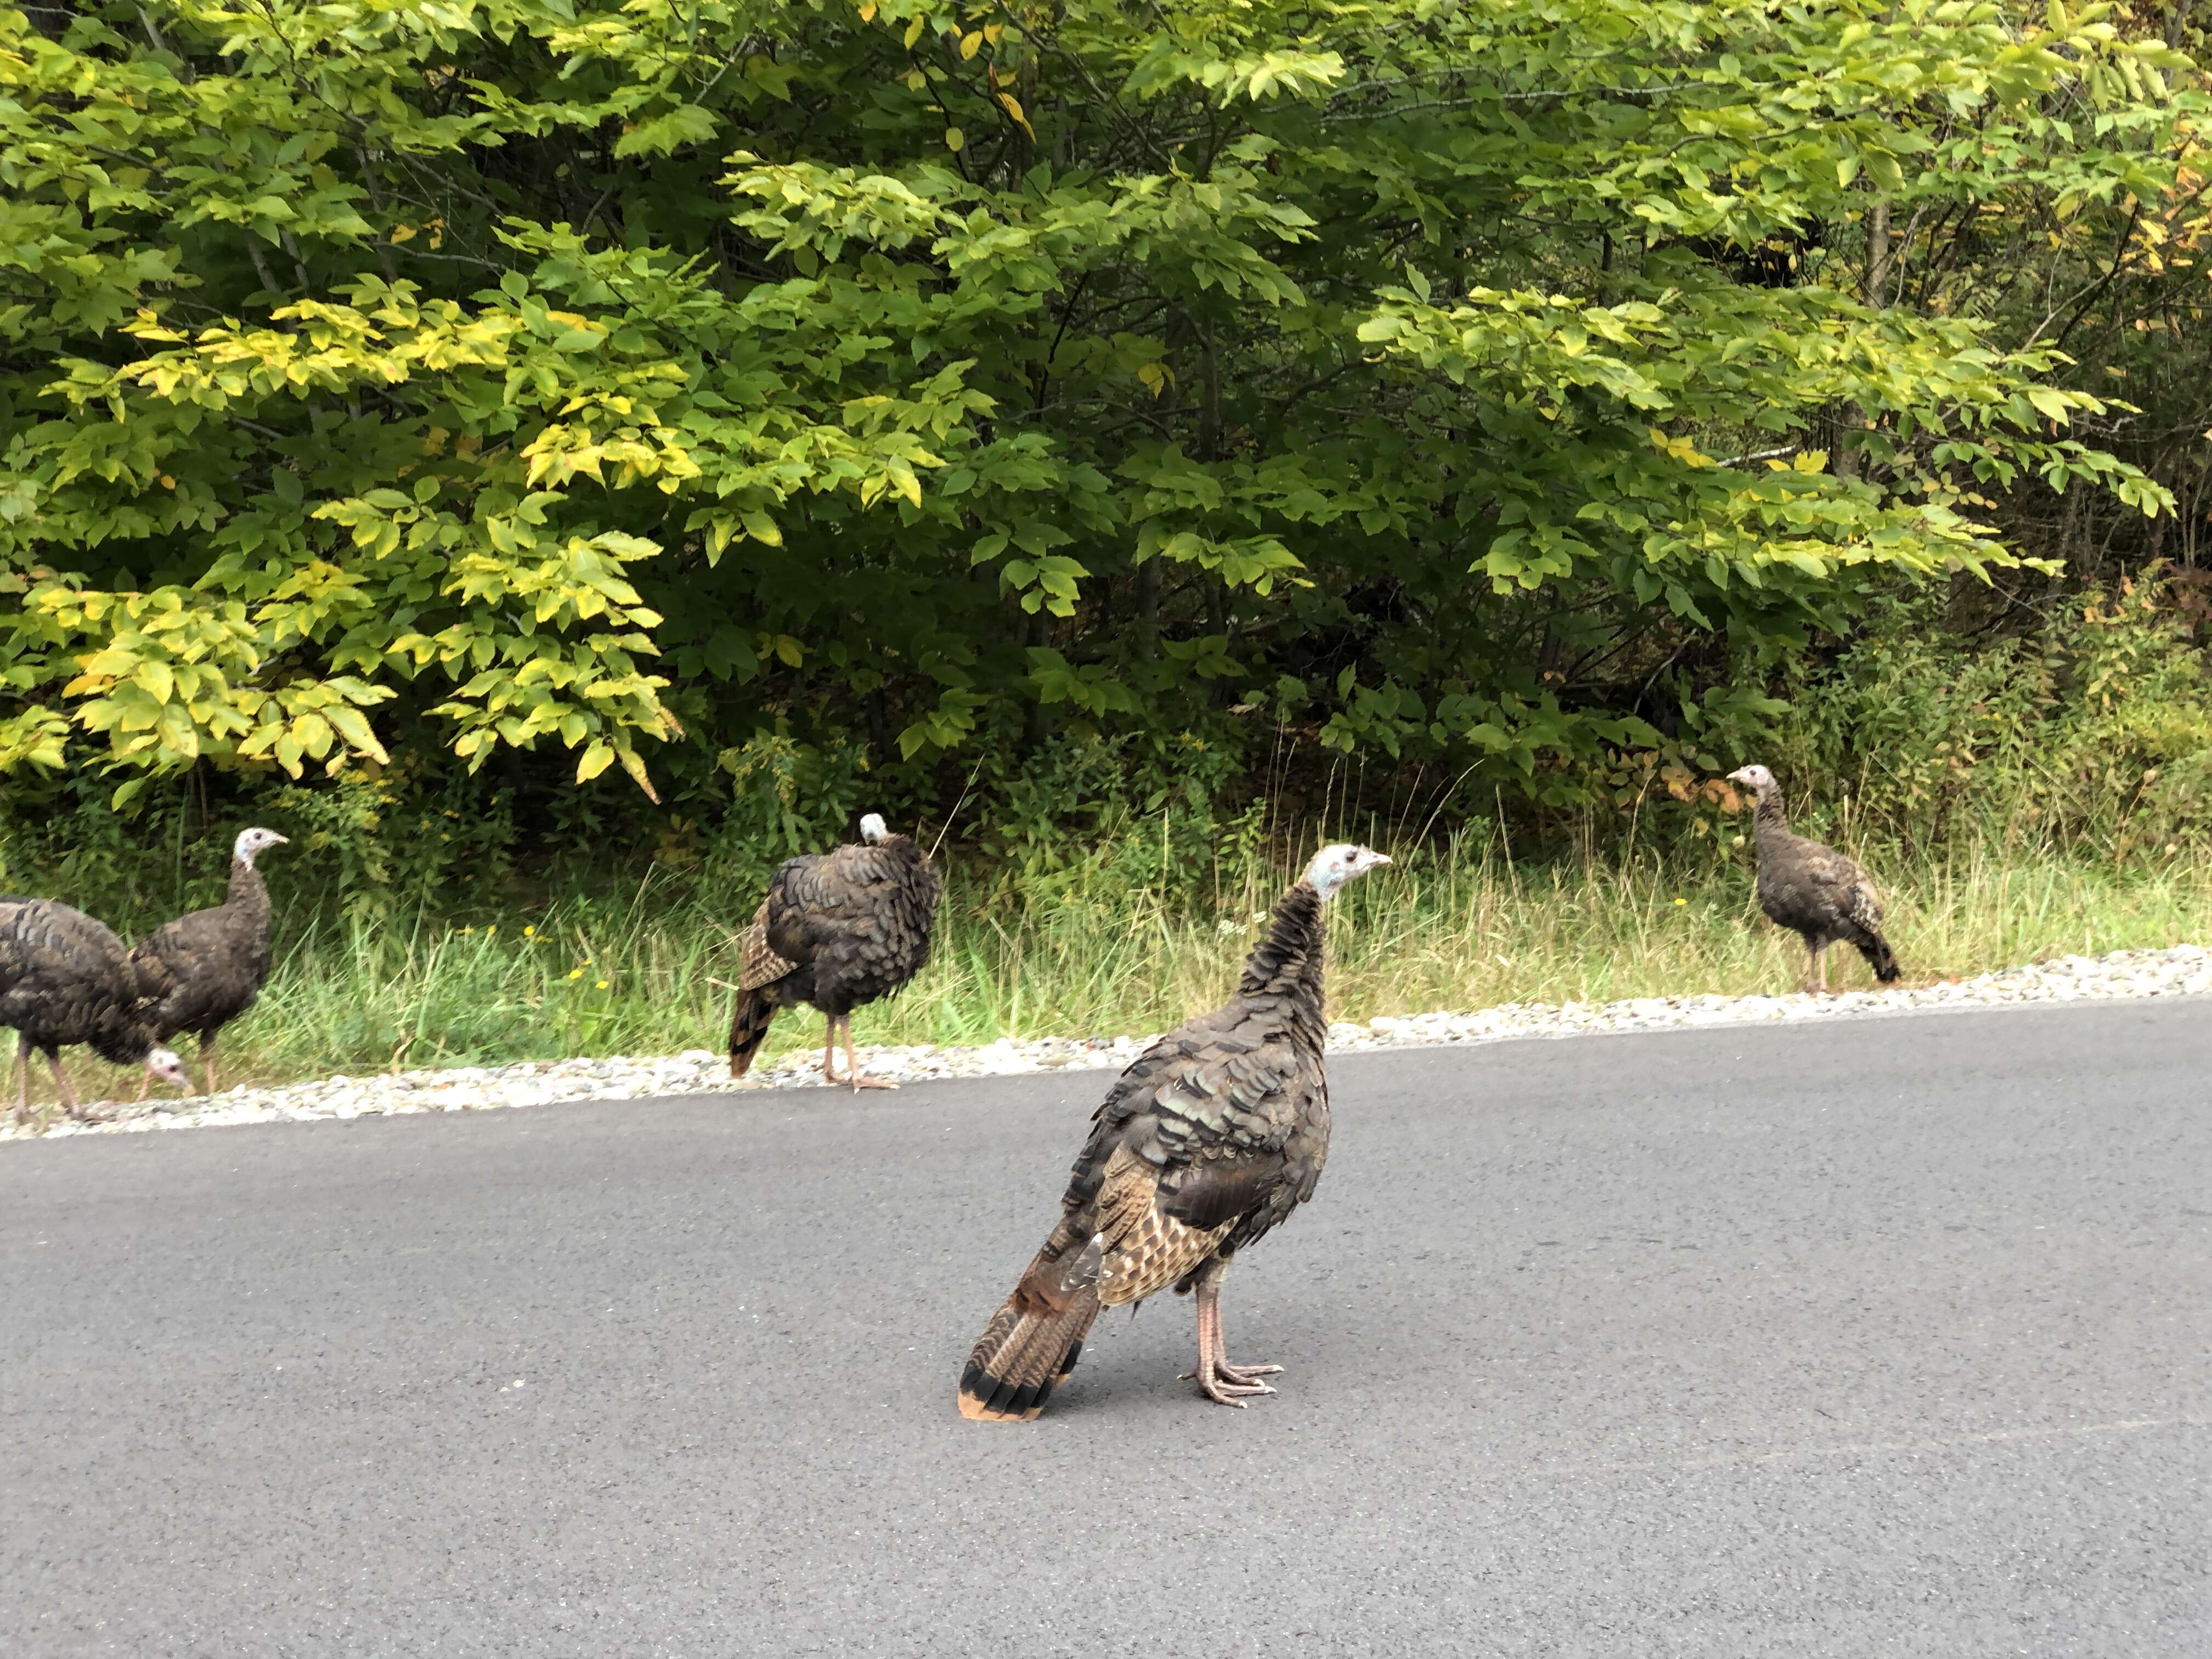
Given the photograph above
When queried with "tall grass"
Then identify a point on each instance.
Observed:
(647, 969)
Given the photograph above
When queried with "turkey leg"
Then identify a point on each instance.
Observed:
(1219, 1381)
(69, 1099)
(23, 1081)
(1816, 970)
(861, 1079)
(206, 1059)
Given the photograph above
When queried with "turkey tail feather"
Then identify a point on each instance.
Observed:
(748, 1026)
(1021, 1358)
(1875, 948)
(759, 966)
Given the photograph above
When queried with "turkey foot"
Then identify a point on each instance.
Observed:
(1227, 1384)
(1218, 1380)
(857, 1077)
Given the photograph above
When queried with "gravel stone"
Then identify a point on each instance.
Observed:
(2183, 971)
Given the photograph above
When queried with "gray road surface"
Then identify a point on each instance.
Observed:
(1881, 1338)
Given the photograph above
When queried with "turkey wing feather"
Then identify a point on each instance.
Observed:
(200, 969)
(1812, 888)
(1204, 1129)
(859, 916)
(65, 977)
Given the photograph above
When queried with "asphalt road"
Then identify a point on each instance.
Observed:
(1881, 1337)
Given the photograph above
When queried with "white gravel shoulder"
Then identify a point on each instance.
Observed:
(2184, 970)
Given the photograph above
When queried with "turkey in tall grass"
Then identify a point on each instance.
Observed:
(837, 930)
(1822, 896)
(66, 979)
(206, 969)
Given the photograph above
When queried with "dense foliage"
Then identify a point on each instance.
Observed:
(739, 396)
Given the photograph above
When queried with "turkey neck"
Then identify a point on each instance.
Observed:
(1288, 959)
(125, 1037)
(249, 894)
(1772, 818)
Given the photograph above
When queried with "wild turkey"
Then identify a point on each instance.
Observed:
(1218, 1132)
(204, 969)
(64, 979)
(836, 930)
(1820, 895)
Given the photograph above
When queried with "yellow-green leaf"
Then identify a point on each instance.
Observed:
(633, 763)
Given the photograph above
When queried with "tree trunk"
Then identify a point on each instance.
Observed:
(1846, 461)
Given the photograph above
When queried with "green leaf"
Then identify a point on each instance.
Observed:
(663, 134)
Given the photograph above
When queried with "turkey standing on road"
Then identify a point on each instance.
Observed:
(204, 969)
(65, 978)
(1218, 1132)
(1816, 892)
(836, 930)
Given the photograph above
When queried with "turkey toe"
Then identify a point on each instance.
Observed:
(1247, 1373)
(1222, 1391)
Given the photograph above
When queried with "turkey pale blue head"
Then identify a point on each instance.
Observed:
(874, 829)
(161, 1063)
(1757, 779)
(251, 841)
(1333, 866)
